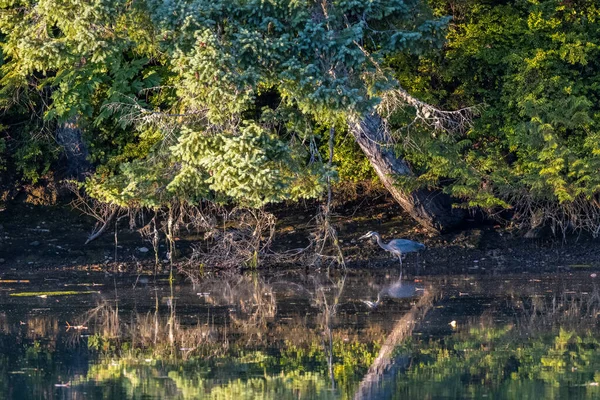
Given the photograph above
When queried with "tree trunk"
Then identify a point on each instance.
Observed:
(74, 163)
(432, 209)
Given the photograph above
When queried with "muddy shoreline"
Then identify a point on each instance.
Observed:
(36, 238)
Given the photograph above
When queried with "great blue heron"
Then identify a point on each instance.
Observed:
(397, 246)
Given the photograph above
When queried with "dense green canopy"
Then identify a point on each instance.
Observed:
(228, 100)
(534, 66)
(206, 99)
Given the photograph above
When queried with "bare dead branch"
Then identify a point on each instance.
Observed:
(245, 238)
(103, 213)
(455, 122)
(99, 231)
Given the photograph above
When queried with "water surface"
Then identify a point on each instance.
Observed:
(361, 335)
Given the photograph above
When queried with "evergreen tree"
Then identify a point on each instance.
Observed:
(535, 148)
(218, 99)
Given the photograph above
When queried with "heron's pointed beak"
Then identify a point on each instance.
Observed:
(365, 236)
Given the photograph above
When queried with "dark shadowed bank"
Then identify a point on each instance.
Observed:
(38, 238)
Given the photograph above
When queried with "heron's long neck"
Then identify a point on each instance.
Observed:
(379, 242)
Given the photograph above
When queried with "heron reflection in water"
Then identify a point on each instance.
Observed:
(396, 290)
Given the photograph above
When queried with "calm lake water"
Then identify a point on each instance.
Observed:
(360, 335)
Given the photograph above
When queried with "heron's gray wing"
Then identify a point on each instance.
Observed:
(406, 246)
(402, 242)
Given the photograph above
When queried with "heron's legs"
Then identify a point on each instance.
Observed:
(400, 259)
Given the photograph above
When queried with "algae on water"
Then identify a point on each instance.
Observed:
(56, 293)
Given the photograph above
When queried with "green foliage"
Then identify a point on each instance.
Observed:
(227, 50)
(73, 49)
(32, 158)
(252, 167)
(67, 61)
(227, 100)
(499, 362)
(351, 164)
(195, 74)
(533, 64)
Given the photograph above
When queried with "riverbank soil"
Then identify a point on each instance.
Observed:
(37, 238)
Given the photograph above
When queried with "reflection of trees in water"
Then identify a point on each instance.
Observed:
(35, 353)
(305, 354)
(150, 334)
(315, 355)
(41, 327)
(327, 300)
(549, 349)
(247, 301)
(387, 362)
(33, 327)
(325, 335)
(495, 361)
(574, 311)
(250, 299)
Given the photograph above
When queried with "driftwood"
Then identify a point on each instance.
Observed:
(97, 232)
(104, 213)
